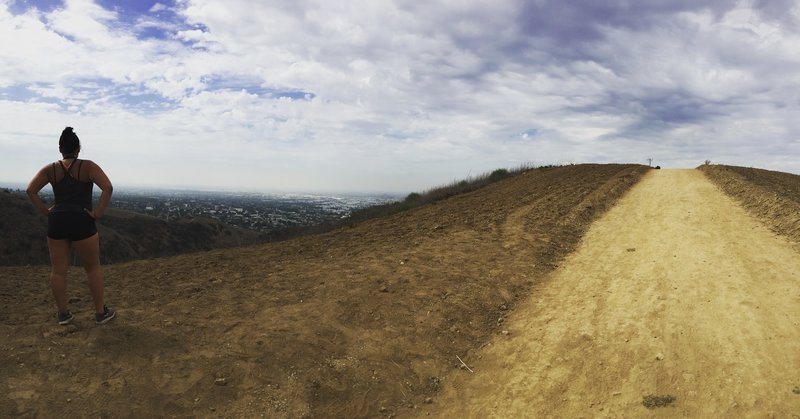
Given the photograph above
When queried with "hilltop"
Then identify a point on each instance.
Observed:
(366, 320)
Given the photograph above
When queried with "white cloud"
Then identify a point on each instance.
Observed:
(400, 95)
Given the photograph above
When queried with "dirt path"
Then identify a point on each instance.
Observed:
(677, 293)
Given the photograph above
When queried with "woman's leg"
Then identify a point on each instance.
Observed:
(59, 262)
(88, 251)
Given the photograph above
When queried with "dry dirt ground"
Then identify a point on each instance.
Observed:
(773, 197)
(677, 303)
(360, 322)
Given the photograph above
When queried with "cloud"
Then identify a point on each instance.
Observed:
(400, 95)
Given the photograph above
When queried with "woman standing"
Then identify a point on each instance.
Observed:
(71, 222)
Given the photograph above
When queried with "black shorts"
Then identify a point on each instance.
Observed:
(70, 225)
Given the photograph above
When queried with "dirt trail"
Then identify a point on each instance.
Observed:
(675, 291)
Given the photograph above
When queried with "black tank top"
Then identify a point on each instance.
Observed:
(70, 193)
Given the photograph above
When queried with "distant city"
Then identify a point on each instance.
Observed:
(254, 211)
(260, 212)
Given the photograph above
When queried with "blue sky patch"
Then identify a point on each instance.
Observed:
(19, 7)
(529, 133)
(293, 94)
(17, 93)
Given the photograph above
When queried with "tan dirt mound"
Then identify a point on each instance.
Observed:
(773, 197)
(360, 322)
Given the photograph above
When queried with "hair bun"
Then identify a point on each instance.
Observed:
(67, 129)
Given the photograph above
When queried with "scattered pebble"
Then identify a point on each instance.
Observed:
(659, 356)
(428, 400)
(384, 289)
(796, 390)
(221, 381)
(505, 332)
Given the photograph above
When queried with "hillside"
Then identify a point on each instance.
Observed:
(124, 235)
(773, 197)
(363, 321)
(676, 304)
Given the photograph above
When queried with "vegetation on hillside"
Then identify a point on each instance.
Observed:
(412, 200)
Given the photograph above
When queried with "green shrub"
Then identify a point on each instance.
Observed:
(498, 175)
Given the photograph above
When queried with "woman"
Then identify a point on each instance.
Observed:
(71, 222)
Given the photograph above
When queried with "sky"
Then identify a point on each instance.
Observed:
(394, 95)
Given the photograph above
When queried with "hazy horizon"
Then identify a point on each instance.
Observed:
(184, 189)
(200, 189)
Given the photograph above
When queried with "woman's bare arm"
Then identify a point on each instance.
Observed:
(98, 176)
(34, 186)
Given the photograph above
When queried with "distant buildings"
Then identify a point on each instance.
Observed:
(251, 211)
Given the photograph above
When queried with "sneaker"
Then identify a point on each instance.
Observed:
(105, 316)
(65, 318)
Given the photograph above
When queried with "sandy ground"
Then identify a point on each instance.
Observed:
(364, 321)
(675, 297)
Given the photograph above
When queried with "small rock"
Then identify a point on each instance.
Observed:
(384, 289)
(428, 400)
(382, 409)
(69, 400)
(503, 307)
(505, 332)
(796, 390)
(221, 381)
(616, 393)
(659, 356)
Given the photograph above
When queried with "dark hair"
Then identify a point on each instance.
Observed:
(69, 142)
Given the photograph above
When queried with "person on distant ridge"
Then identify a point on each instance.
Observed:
(71, 222)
